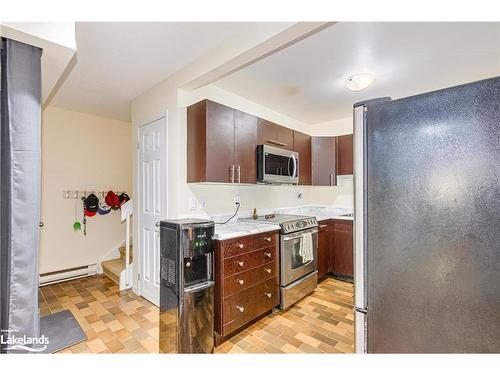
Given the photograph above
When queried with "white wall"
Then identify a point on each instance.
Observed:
(79, 152)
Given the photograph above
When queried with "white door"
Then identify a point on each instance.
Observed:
(152, 204)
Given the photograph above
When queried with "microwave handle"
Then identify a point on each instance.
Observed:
(294, 166)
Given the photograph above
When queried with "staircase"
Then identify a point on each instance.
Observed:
(114, 268)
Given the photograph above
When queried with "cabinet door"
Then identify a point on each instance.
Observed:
(324, 247)
(323, 161)
(266, 132)
(220, 142)
(342, 254)
(284, 136)
(302, 145)
(345, 154)
(245, 144)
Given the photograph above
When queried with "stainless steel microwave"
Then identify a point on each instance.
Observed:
(277, 166)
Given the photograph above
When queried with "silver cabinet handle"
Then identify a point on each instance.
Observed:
(157, 223)
(241, 281)
(241, 308)
(41, 224)
(240, 245)
(238, 173)
(331, 179)
(231, 174)
(277, 143)
(268, 255)
(269, 295)
(241, 264)
(268, 239)
(268, 270)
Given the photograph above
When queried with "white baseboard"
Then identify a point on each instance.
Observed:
(65, 275)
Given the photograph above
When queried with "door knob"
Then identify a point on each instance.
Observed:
(157, 223)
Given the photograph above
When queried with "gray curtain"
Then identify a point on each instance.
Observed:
(20, 164)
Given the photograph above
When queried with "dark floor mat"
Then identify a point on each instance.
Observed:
(62, 330)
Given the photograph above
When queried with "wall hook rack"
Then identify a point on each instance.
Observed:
(79, 194)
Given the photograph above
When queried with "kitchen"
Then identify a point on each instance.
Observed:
(267, 259)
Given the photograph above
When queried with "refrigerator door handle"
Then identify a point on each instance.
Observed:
(362, 310)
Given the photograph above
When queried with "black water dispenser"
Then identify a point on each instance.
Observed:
(186, 286)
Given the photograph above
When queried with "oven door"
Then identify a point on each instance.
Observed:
(277, 165)
(293, 264)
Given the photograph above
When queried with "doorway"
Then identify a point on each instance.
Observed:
(152, 204)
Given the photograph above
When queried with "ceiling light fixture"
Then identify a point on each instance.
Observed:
(359, 82)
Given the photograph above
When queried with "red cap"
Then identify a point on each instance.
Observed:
(112, 199)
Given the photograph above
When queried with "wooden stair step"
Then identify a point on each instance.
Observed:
(112, 269)
(122, 252)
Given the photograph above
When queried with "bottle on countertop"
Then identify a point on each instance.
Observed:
(255, 216)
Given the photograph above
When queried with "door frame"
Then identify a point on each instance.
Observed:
(137, 285)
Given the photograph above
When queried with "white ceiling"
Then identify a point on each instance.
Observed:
(306, 80)
(116, 62)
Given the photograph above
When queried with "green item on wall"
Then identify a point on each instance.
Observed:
(77, 226)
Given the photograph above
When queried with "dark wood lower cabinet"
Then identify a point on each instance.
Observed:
(324, 247)
(342, 254)
(246, 282)
(335, 248)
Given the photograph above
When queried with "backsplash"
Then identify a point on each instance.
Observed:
(217, 199)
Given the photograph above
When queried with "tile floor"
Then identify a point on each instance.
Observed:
(122, 322)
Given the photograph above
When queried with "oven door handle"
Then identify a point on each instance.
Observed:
(300, 234)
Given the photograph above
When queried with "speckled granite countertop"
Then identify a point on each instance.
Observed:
(241, 228)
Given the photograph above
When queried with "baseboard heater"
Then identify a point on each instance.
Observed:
(68, 274)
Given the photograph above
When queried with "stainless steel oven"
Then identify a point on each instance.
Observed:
(293, 264)
(277, 165)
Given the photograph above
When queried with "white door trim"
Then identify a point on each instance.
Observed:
(138, 185)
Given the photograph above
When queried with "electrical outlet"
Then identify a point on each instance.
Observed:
(236, 201)
(202, 204)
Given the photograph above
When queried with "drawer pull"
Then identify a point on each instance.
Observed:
(241, 281)
(268, 255)
(268, 270)
(269, 295)
(241, 264)
(268, 239)
(241, 308)
(240, 245)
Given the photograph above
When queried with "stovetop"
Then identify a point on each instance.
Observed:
(289, 223)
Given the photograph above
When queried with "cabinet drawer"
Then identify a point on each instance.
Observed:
(265, 240)
(242, 307)
(245, 280)
(244, 262)
(236, 246)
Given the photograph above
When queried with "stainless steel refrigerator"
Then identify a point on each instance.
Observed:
(427, 224)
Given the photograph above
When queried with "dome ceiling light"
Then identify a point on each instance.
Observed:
(359, 82)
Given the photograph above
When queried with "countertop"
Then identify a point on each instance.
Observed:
(239, 228)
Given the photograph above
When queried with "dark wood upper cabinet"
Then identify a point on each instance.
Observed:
(245, 143)
(302, 145)
(345, 154)
(269, 133)
(323, 161)
(342, 250)
(284, 137)
(210, 142)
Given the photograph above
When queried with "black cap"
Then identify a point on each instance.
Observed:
(92, 203)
